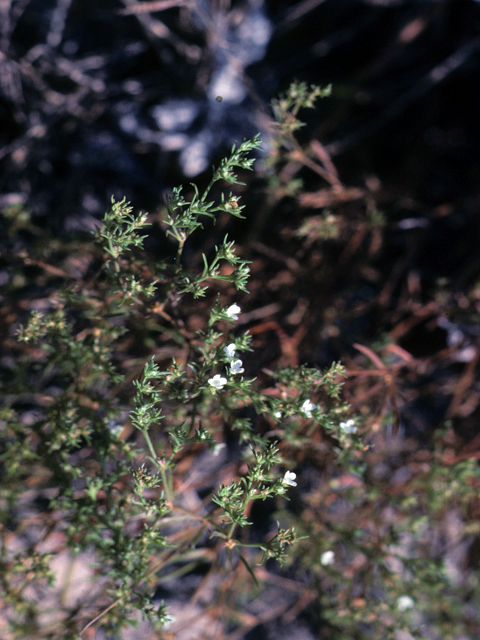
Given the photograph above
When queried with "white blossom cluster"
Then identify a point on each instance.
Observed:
(236, 365)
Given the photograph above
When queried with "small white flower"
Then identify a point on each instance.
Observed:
(114, 428)
(229, 351)
(308, 407)
(277, 414)
(348, 427)
(236, 367)
(289, 478)
(233, 311)
(404, 603)
(327, 557)
(217, 382)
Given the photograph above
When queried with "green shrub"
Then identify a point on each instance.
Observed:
(117, 496)
(132, 440)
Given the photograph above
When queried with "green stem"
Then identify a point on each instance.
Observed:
(154, 458)
(210, 185)
(194, 414)
(150, 445)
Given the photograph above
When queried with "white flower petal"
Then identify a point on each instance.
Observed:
(348, 427)
(229, 351)
(289, 478)
(115, 429)
(327, 557)
(308, 407)
(217, 382)
(233, 311)
(404, 603)
(236, 367)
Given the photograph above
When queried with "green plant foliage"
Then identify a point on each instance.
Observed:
(119, 410)
(117, 497)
